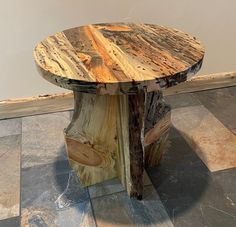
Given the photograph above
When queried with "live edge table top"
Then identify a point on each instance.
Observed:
(118, 58)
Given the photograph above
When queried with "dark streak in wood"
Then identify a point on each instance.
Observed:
(136, 146)
(106, 58)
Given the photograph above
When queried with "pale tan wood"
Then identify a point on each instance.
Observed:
(98, 141)
(158, 129)
(107, 137)
(13, 108)
(157, 124)
(91, 138)
(123, 161)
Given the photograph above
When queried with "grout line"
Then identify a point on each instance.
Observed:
(100, 196)
(92, 209)
(233, 131)
(113, 193)
(20, 194)
(10, 218)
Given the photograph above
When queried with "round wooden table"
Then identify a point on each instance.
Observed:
(117, 72)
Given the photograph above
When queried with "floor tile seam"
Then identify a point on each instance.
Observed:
(185, 107)
(218, 171)
(92, 209)
(49, 163)
(233, 130)
(20, 208)
(119, 192)
(17, 134)
(35, 114)
(9, 118)
(230, 129)
(100, 196)
(5, 219)
(108, 194)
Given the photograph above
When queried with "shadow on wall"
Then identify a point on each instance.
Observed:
(180, 180)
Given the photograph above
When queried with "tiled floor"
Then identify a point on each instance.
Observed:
(194, 185)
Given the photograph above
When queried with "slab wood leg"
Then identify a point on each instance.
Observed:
(105, 138)
(91, 138)
(157, 125)
(130, 140)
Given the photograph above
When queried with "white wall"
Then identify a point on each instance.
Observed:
(23, 23)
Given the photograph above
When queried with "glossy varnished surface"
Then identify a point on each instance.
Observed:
(118, 58)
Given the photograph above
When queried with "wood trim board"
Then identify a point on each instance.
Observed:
(13, 108)
(42, 104)
(203, 82)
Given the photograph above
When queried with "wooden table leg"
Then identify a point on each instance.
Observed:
(133, 144)
(105, 138)
(157, 125)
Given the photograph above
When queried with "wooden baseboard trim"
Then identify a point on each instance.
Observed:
(204, 82)
(14, 108)
(42, 104)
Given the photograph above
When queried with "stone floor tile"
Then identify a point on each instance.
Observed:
(119, 210)
(211, 140)
(227, 180)
(43, 139)
(79, 215)
(10, 222)
(52, 196)
(10, 127)
(221, 103)
(187, 190)
(215, 217)
(181, 100)
(9, 176)
(112, 186)
(232, 90)
(40, 187)
(181, 173)
(106, 188)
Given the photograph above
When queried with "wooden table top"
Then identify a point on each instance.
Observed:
(118, 58)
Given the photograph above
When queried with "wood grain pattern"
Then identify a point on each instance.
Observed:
(118, 58)
(108, 134)
(106, 137)
(91, 138)
(157, 125)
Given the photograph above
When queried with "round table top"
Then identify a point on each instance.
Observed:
(118, 58)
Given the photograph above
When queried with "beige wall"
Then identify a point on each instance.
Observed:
(23, 23)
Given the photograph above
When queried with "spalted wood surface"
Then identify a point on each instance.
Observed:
(116, 136)
(118, 58)
(110, 134)
(156, 130)
(91, 138)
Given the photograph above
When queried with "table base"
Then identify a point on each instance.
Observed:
(117, 136)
